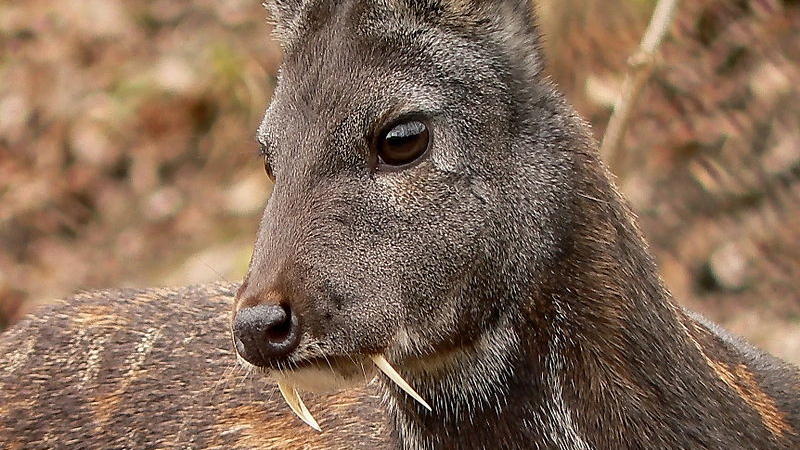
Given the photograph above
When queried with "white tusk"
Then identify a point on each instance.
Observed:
(296, 403)
(387, 369)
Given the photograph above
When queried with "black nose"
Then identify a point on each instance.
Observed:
(265, 332)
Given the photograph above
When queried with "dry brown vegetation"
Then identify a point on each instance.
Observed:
(713, 153)
(126, 151)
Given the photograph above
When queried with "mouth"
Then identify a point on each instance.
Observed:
(320, 374)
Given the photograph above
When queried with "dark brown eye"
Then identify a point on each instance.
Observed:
(403, 142)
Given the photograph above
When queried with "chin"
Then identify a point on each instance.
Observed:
(321, 375)
(322, 379)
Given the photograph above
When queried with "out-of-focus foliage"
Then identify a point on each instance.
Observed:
(718, 152)
(126, 144)
(714, 150)
(126, 140)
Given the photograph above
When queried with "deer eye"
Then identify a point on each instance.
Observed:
(403, 142)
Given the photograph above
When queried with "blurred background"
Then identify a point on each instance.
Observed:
(127, 155)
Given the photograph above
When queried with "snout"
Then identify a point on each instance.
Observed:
(265, 332)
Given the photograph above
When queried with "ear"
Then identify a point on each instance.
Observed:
(517, 28)
(512, 22)
(284, 14)
(283, 10)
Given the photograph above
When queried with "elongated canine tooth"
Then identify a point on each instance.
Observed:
(387, 369)
(296, 403)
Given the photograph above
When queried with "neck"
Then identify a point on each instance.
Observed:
(478, 394)
(512, 388)
(535, 382)
(567, 358)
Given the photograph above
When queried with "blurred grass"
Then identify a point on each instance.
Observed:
(127, 158)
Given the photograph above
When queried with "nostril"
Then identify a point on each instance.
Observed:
(281, 329)
(265, 332)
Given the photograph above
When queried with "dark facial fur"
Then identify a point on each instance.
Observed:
(501, 272)
(374, 259)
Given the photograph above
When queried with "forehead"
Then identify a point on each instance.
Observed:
(353, 62)
(351, 66)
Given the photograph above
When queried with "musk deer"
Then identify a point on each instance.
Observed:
(441, 224)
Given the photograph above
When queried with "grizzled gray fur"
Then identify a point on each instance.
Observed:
(154, 368)
(437, 202)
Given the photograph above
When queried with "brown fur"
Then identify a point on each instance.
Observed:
(154, 369)
(502, 273)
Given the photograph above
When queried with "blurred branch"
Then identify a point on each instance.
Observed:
(641, 66)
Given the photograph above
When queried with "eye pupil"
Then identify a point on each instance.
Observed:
(404, 143)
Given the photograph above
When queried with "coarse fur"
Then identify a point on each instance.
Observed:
(154, 368)
(502, 275)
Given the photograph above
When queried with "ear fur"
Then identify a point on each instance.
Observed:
(517, 29)
(512, 22)
(283, 15)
